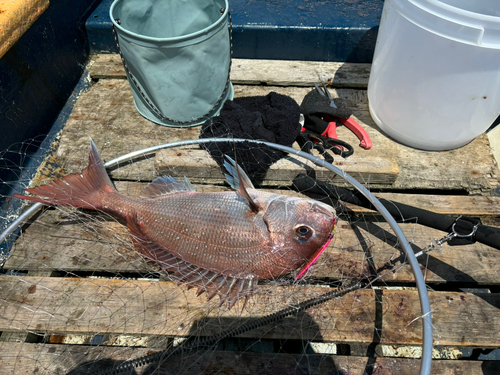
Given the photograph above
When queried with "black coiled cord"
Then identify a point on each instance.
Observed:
(209, 341)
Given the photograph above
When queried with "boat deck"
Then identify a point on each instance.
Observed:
(78, 298)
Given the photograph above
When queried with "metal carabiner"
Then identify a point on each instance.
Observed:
(472, 233)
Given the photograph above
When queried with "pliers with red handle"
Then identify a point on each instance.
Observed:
(351, 124)
(322, 113)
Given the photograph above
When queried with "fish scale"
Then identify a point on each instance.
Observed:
(223, 243)
(197, 237)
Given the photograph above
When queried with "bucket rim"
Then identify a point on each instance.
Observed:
(450, 22)
(432, 5)
(180, 38)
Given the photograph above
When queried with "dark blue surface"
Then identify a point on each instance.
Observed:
(38, 153)
(37, 75)
(98, 28)
(43, 66)
(336, 30)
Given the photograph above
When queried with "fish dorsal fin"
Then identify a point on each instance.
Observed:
(166, 185)
(239, 181)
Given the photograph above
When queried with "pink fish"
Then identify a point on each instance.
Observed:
(223, 243)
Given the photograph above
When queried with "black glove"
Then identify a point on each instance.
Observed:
(315, 106)
(272, 118)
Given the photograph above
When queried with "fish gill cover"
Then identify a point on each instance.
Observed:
(74, 276)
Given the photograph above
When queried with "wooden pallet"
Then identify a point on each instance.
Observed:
(107, 114)
(74, 283)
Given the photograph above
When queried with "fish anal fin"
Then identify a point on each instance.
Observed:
(166, 185)
(233, 291)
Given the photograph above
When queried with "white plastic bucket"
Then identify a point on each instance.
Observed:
(177, 57)
(435, 77)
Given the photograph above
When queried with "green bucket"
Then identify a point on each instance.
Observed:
(177, 57)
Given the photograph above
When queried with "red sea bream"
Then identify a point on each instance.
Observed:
(223, 243)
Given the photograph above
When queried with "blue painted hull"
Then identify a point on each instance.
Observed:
(335, 30)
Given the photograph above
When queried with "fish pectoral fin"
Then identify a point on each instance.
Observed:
(239, 181)
(166, 185)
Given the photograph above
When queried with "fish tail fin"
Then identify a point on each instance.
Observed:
(82, 190)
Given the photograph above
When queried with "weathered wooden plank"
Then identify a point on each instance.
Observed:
(64, 243)
(107, 114)
(75, 241)
(258, 72)
(115, 136)
(28, 359)
(136, 307)
(61, 241)
(196, 165)
(494, 138)
(471, 168)
(483, 206)
(57, 241)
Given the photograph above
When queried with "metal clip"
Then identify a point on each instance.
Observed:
(472, 233)
(438, 244)
(443, 240)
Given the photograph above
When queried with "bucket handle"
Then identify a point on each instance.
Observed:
(151, 104)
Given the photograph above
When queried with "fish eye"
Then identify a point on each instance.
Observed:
(303, 232)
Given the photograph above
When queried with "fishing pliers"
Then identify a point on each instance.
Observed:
(309, 140)
(322, 113)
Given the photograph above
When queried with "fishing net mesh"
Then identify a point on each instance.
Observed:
(76, 298)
